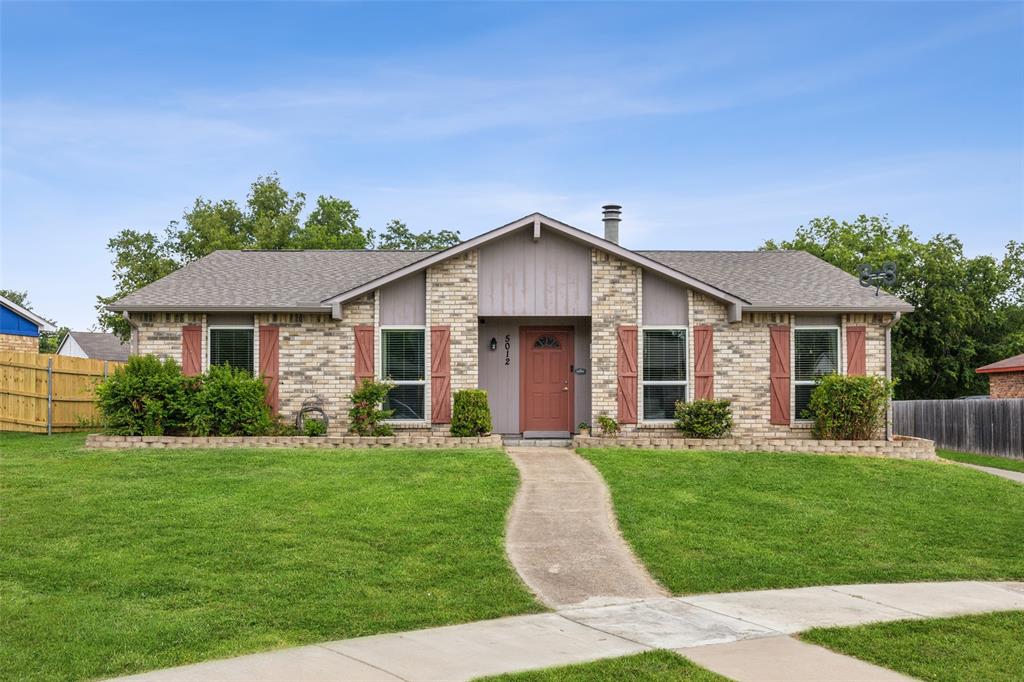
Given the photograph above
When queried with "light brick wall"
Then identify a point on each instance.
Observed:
(159, 334)
(452, 300)
(1006, 385)
(19, 343)
(874, 340)
(615, 294)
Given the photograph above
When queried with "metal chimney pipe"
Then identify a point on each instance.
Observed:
(612, 218)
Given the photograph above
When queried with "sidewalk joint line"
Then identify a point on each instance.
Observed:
(359, 660)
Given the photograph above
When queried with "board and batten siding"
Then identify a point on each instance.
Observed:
(546, 277)
(404, 302)
(501, 381)
(664, 302)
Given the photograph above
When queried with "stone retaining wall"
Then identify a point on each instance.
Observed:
(424, 439)
(903, 447)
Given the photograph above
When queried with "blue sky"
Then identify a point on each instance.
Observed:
(715, 125)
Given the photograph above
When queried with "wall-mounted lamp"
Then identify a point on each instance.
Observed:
(493, 344)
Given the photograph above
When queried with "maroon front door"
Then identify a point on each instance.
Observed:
(546, 385)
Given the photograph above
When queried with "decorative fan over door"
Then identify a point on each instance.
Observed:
(546, 381)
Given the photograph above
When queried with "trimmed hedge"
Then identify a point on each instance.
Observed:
(366, 418)
(704, 418)
(849, 408)
(471, 415)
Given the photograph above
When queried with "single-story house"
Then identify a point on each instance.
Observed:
(94, 345)
(20, 327)
(1005, 378)
(558, 325)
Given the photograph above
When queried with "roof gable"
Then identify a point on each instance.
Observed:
(24, 313)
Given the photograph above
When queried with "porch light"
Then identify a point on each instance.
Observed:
(493, 344)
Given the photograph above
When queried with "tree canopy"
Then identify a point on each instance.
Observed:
(271, 218)
(969, 311)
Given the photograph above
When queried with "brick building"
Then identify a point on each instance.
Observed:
(1005, 378)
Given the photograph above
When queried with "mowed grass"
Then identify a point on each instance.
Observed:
(116, 562)
(983, 460)
(986, 647)
(650, 665)
(720, 522)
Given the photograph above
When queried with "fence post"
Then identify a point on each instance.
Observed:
(49, 396)
(104, 370)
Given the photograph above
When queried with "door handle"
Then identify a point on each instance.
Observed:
(565, 388)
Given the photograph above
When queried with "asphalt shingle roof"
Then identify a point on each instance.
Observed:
(101, 345)
(1011, 364)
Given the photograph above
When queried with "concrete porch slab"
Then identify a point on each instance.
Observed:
(666, 623)
(940, 599)
(797, 609)
(784, 659)
(463, 652)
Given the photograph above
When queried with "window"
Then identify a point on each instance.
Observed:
(664, 372)
(231, 346)
(403, 362)
(816, 353)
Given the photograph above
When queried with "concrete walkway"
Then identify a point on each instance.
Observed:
(1015, 476)
(563, 537)
(742, 635)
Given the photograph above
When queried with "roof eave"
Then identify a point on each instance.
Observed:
(896, 308)
(217, 309)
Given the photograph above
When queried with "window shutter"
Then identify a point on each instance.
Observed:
(703, 363)
(779, 374)
(627, 374)
(856, 362)
(440, 375)
(270, 365)
(191, 350)
(364, 353)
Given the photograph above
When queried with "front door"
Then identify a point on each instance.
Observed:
(546, 385)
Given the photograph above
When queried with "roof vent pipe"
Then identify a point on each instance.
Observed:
(612, 218)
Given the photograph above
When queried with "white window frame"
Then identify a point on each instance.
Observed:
(406, 382)
(640, 370)
(209, 344)
(840, 369)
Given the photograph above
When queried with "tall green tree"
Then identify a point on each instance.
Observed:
(271, 218)
(968, 310)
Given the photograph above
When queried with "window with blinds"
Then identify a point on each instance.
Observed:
(232, 347)
(815, 354)
(664, 372)
(403, 362)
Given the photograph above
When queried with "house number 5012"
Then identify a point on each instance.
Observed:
(508, 345)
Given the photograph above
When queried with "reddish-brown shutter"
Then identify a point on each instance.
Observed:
(364, 353)
(627, 374)
(191, 349)
(440, 375)
(703, 363)
(856, 363)
(270, 365)
(779, 374)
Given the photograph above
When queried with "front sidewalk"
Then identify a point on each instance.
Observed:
(717, 630)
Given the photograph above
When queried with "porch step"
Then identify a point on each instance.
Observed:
(520, 442)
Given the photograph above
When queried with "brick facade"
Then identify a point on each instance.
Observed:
(452, 300)
(1006, 385)
(615, 300)
(19, 343)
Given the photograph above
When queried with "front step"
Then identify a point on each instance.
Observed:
(520, 442)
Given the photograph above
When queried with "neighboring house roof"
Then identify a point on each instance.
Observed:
(264, 280)
(41, 322)
(309, 281)
(98, 345)
(780, 280)
(1012, 364)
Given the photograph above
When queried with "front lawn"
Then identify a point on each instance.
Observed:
(650, 665)
(986, 647)
(719, 522)
(115, 562)
(983, 460)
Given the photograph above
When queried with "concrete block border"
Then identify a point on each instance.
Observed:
(901, 447)
(100, 441)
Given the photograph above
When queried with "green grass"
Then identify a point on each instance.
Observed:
(719, 522)
(115, 562)
(986, 647)
(650, 665)
(983, 460)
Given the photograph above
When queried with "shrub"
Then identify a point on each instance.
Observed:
(145, 397)
(315, 427)
(609, 426)
(704, 418)
(229, 402)
(471, 416)
(849, 408)
(366, 415)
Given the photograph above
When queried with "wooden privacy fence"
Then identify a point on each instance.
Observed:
(45, 393)
(992, 427)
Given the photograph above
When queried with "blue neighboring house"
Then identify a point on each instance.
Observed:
(20, 327)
